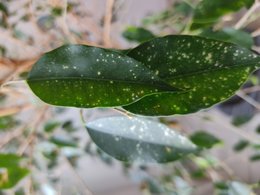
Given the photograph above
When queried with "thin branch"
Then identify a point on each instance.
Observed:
(248, 99)
(256, 33)
(78, 177)
(32, 135)
(251, 89)
(13, 110)
(245, 17)
(107, 23)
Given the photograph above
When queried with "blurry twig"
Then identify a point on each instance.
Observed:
(248, 99)
(32, 135)
(245, 17)
(251, 89)
(78, 177)
(13, 110)
(107, 23)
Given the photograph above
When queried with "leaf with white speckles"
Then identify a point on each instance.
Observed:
(84, 76)
(137, 139)
(212, 70)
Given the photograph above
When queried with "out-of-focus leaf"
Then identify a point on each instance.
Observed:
(3, 8)
(137, 34)
(241, 145)
(7, 122)
(257, 129)
(233, 188)
(204, 139)
(255, 157)
(241, 120)
(63, 141)
(137, 139)
(56, 11)
(231, 35)
(68, 126)
(10, 171)
(210, 71)
(46, 23)
(50, 126)
(208, 12)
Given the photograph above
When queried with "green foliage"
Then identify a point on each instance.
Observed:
(210, 71)
(204, 139)
(233, 188)
(137, 139)
(10, 170)
(241, 120)
(137, 34)
(255, 157)
(231, 35)
(83, 76)
(208, 12)
(149, 77)
(63, 141)
(241, 145)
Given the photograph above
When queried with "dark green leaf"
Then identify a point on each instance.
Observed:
(83, 76)
(63, 141)
(3, 8)
(255, 157)
(208, 12)
(57, 11)
(50, 126)
(257, 129)
(136, 139)
(138, 34)
(210, 70)
(233, 188)
(231, 35)
(241, 120)
(241, 145)
(204, 139)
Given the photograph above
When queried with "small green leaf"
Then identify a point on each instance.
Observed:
(10, 171)
(255, 157)
(241, 145)
(84, 76)
(50, 126)
(231, 35)
(257, 129)
(204, 139)
(241, 120)
(208, 12)
(233, 188)
(136, 139)
(137, 34)
(56, 11)
(210, 71)
(63, 141)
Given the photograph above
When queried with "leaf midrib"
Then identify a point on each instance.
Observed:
(108, 80)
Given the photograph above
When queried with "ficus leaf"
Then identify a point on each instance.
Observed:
(84, 76)
(137, 139)
(212, 71)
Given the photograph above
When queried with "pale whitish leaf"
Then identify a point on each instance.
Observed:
(137, 139)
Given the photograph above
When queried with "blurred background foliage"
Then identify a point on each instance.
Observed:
(38, 142)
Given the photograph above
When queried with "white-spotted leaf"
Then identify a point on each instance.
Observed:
(137, 139)
(84, 76)
(211, 70)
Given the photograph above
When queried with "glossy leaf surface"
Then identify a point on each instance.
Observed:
(137, 139)
(83, 76)
(210, 71)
